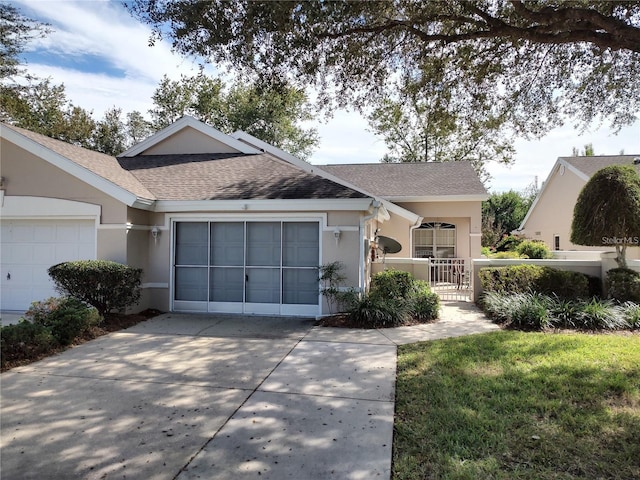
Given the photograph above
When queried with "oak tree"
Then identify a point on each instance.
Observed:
(529, 66)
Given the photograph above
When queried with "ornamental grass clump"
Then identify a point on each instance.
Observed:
(395, 298)
(535, 311)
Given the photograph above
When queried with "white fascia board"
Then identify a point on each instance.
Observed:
(481, 197)
(69, 166)
(308, 205)
(579, 173)
(402, 212)
(183, 123)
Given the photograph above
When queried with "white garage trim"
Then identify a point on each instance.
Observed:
(16, 206)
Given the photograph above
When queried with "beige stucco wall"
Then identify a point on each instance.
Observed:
(466, 216)
(553, 212)
(189, 140)
(19, 168)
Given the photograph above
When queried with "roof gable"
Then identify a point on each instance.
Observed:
(189, 136)
(586, 166)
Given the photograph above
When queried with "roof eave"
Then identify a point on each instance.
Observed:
(479, 197)
(264, 205)
(182, 123)
(72, 168)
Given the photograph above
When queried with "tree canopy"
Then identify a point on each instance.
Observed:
(607, 212)
(272, 112)
(527, 66)
(502, 213)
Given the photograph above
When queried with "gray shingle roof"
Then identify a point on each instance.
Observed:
(390, 180)
(103, 165)
(590, 165)
(229, 177)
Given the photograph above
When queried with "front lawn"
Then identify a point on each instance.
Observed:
(513, 405)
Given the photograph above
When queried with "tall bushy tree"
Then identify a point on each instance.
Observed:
(502, 213)
(530, 65)
(607, 212)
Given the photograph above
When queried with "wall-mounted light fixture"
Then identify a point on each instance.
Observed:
(336, 234)
(155, 231)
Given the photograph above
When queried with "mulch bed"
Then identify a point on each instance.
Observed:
(343, 320)
(112, 323)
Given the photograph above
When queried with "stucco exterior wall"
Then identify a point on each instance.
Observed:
(19, 167)
(187, 141)
(553, 212)
(466, 216)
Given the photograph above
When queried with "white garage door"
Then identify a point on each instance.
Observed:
(30, 247)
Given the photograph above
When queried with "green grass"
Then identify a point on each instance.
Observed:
(513, 405)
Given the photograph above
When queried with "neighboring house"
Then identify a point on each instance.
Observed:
(218, 223)
(550, 216)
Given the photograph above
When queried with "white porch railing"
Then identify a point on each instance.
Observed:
(450, 278)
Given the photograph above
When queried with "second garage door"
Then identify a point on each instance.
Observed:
(30, 247)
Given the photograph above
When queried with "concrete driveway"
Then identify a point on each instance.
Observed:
(213, 397)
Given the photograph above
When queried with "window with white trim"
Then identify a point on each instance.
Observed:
(434, 240)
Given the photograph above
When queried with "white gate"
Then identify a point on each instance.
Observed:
(451, 278)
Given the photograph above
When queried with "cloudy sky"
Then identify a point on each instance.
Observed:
(102, 56)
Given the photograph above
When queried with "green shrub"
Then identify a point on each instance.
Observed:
(563, 283)
(564, 312)
(392, 284)
(631, 313)
(25, 340)
(524, 311)
(512, 278)
(508, 255)
(535, 311)
(66, 318)
(103, 284)
(623, 284)
(395, 298)
(424, 304)
(601, 315)
(508, 243)
(373, 311)
(533, 249)
(534, 278)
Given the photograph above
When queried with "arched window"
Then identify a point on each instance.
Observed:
(434, 240)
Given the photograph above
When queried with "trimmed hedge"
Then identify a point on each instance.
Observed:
(535, 278)
(103, 284)
(623, 284)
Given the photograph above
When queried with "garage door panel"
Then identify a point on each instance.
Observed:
(30, 247)
(44, 254)
(44, 234)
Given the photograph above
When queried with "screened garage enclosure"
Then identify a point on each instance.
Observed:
(266, 267)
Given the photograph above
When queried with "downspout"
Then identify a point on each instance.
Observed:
(363, 220)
